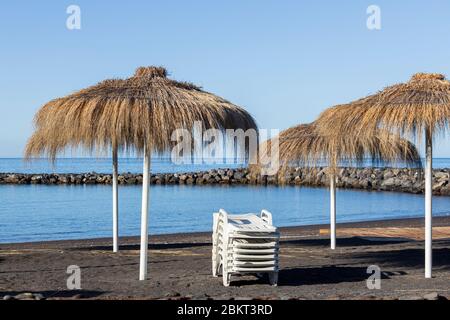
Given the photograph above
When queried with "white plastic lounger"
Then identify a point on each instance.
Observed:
(244, 243)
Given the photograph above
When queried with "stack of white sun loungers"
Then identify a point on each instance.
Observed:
(245, 243)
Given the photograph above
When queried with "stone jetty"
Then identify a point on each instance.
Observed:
(383, 179)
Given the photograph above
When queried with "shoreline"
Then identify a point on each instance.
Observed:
(180, 266)
(287, 230)
(374, 179)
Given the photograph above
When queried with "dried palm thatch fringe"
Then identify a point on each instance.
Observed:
(407, 108)
(143, 110)
(305, 145)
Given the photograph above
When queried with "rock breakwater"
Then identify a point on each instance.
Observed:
(385, 179)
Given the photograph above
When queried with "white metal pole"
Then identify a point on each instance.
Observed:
(115, 202)
(428, 204)
(144, 216)
(333, 211)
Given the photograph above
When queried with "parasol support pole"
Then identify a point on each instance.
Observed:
(144, 216)
(428, 203)
(333, 211)
(115, 192)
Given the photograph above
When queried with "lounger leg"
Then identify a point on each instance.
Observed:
(226, 279)
(273, 278)
(226, 276)
(214, 268)
(219, 262)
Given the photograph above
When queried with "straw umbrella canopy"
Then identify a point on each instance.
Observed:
(417, 108)
(135, 114)
(306, 145)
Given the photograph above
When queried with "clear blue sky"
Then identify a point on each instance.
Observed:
(284, 61)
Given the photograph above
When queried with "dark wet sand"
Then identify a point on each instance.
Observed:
(180, 267)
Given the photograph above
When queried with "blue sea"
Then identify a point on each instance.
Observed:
(103, 165)
(54, 212)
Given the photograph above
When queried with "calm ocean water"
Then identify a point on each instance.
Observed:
(133, 165)
(40, 212)
(101, 165)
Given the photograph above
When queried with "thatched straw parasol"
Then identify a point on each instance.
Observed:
(135, 114)
(418, 107)
(305, 145)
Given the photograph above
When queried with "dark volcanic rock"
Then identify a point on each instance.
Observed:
(389, 179)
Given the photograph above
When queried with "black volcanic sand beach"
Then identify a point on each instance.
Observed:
(180, 268)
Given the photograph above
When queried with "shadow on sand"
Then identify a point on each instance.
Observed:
(313, 276)
(97, 266)
(323, 275)
(345, 242)
(411, 258)
(151, 246)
